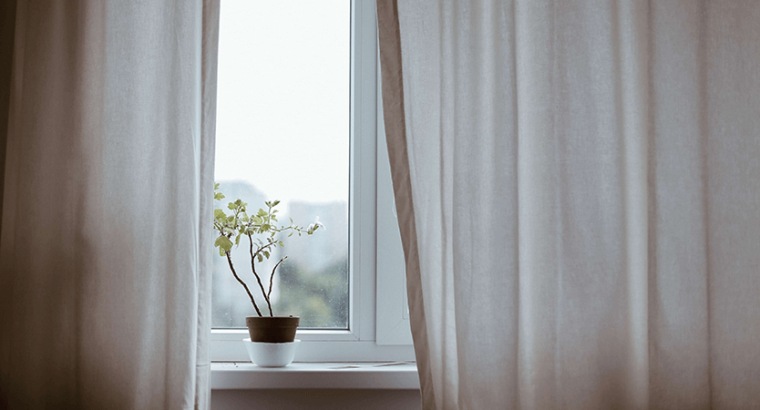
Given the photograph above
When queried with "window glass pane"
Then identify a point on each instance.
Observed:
(283, 133)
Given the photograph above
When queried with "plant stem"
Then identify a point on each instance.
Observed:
(253, 268)
(242, 283)
(271, 278)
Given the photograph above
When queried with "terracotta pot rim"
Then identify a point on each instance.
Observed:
(272, 329)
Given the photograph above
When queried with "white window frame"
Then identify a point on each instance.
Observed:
(378, 316)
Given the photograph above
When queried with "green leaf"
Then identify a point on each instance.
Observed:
(218, 214)
(266, 254)
(261, 258)
(224, 243)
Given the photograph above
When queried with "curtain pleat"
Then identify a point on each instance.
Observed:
(109, 167)
(582, 181)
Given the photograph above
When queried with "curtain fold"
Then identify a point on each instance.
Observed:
(578, 195)
(105, 293)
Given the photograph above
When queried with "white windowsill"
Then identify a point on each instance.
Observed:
(239, 375)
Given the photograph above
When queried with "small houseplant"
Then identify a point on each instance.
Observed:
(261, 231)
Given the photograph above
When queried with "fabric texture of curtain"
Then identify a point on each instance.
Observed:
(578, 190)
(105, 249)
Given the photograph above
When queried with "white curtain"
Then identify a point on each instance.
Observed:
(578, 187)
(104, 291)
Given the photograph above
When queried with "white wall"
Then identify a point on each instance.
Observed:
(316, 399)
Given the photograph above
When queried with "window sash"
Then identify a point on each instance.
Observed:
(364, 340)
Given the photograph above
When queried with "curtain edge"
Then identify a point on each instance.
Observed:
(209, 54)
(11, 35)
(389, 38)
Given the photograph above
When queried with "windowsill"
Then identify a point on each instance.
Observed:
(239, 375)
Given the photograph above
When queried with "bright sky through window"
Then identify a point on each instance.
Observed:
(283, 97)
(282, 133)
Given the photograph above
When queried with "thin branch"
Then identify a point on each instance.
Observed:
(253, 268)
(229, 259)
(271, 278)
(271, 243)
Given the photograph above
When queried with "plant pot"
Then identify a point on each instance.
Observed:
(271, 354)
(278, 329)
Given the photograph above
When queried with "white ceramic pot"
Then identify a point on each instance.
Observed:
(271, 354)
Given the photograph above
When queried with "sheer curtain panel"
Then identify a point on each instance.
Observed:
(578, 189)
(104, 290)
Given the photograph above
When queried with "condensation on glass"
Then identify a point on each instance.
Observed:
(283, 133)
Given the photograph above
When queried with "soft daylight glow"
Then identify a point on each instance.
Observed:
(283, 118)
(283, 128)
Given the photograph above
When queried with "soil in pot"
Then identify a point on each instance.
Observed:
(278, 329)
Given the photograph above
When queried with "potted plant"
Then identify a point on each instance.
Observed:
(260, 229)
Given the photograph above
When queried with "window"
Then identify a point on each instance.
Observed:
(283, 134)
(360, 313)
